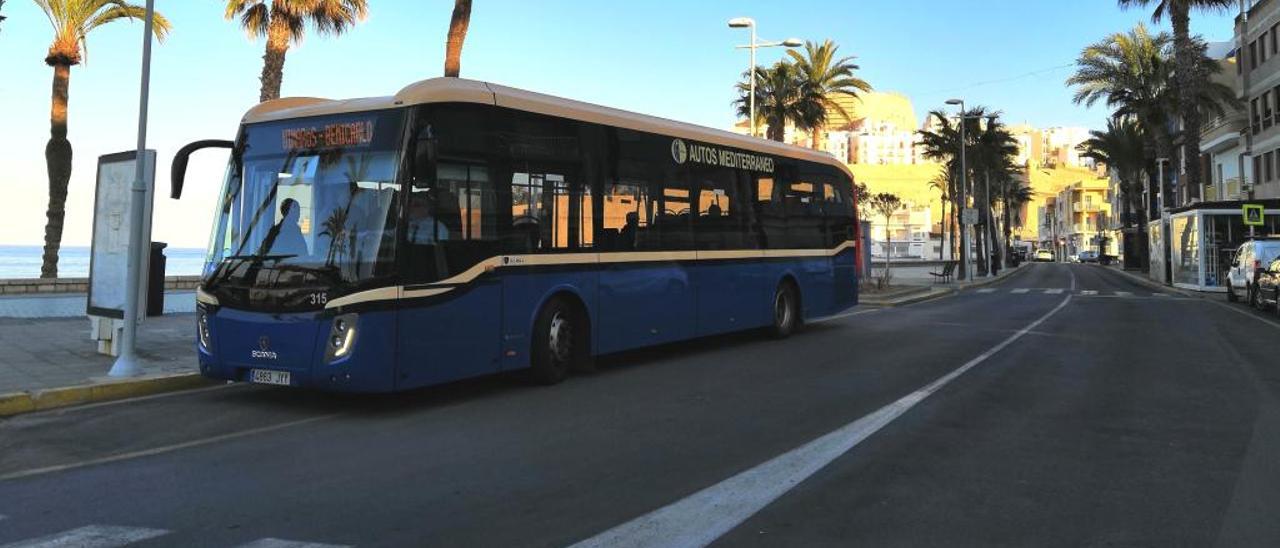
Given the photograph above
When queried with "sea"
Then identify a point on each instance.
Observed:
(23, 261)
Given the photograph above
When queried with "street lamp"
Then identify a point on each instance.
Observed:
(964, 199)
(749, 23)
(127, 364)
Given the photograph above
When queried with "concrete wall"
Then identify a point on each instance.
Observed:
(26, 286)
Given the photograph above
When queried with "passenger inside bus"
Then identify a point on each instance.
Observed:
(285, 237)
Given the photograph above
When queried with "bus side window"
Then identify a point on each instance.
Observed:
(769, 210)
(722, 221)
(549, 213)
(626, 217)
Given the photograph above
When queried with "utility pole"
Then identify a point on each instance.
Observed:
(126, 365)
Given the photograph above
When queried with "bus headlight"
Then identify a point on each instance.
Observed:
(342, 337)
(202, 328)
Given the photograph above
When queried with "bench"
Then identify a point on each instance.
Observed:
(947, 272)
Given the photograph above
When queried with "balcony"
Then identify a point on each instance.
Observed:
(1084, 208)
(1228, 126)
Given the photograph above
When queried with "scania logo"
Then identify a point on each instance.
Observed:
(679, 152)
(264, 350)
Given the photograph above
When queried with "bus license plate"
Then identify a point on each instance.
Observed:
(267, 376)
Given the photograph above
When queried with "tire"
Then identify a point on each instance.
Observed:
(786, 310)
(1231, 294)
(1255, 299)
(559, 342)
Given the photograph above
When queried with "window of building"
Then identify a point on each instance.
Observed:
(1268, 166)
(1257, 168)
(1253, 55)
(1262, 48)
(1275, 29)
(1266, 109)
(1255, 115)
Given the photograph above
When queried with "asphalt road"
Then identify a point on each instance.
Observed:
(1065, 406)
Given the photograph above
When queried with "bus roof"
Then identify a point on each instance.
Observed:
(446, 90)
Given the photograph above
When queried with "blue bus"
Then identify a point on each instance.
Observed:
(462, 228)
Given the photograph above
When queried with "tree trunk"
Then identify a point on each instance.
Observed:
(273, 60)
(1187, 77)
(57, 157)
(816, 138)
(457, 35)
(942, 224)
(777, 132)
(1008, 232)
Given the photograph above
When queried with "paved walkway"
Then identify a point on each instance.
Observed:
(51, 352)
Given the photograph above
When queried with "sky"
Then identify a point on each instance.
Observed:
(670, 58)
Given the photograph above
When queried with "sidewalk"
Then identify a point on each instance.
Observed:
(51, 362)
(913, 290)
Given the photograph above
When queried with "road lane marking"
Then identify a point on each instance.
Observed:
(1019, 291)
(1053, 291)
(1088, 293)
(87, 406)
(91, 536)
(1160, 295)
(986, 290)
(846, 315)
(703, 517)
(282, 543)
(162, 449)
(1122, 293)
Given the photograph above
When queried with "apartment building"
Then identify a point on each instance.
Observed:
(1259, 78)
(1078, 219)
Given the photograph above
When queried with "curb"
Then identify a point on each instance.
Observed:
(1157, 285)
(923, 296)
(17, 403)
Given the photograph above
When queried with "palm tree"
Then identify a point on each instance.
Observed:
(777, 98)
(1132, 73)
(284, 23)
(1, 7)
(72, 21)
(1122, 147)
(1190, 72)
(942, 183)
(886, 204)
(824, 77)
(457, 34)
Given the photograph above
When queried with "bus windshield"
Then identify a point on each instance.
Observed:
(307, 202)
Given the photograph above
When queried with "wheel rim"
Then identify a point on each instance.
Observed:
(560, 338)
(782, 309)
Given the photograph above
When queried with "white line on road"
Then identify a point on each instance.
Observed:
(986, 290)
(1247, 314)
(1160, 295)
(281, 543)
(1019, 291)
(91, 536)
(703, 517)
(845, 315)
(1088, 293)
(1123, 294)
(1053, 291)
(163, 449)
(65, 410)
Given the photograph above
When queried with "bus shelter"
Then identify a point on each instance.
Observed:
(1202, 239)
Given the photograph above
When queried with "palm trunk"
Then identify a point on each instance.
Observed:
(942, 224)
(777, 131)
(457, 34)
(57, 156)
(273, 60)
(1008, 232)
(816, 138)
(1185, 56)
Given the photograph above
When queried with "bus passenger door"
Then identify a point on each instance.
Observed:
(451, 308)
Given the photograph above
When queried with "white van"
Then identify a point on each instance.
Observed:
(1249, 258)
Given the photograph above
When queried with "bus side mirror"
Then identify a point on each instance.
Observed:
(178, 172)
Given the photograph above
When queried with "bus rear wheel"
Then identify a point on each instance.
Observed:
(559, 342)
(786, 310)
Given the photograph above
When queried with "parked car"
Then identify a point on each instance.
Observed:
(1250, 258)
(1269, 287)
(1087, 257)
(1044, 256)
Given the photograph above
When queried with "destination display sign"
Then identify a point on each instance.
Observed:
(716, 156)
(336, 135)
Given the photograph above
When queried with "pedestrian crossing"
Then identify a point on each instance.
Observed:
(116, 536)
(1078, 293)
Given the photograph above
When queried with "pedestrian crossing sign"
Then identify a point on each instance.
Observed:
(1253, 215)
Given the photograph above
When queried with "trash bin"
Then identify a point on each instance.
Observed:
(155, 280)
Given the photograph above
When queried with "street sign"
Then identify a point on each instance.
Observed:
(1253, 215)
(969, 216)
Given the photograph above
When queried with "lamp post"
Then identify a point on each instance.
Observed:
(127, 364)
(749, 23)
(964, 199)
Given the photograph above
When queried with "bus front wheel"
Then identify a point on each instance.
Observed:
(786, 310)
(559, 342)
